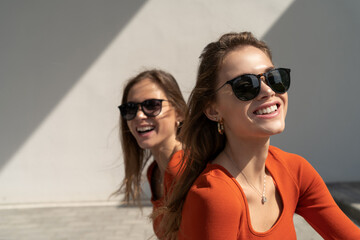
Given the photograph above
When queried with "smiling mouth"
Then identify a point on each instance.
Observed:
(145, 129)
(267, 110)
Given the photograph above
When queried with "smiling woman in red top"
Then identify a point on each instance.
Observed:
(234, 185)
(152, 109)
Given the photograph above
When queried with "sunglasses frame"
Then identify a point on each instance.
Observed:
(258, 76)
(122, 106)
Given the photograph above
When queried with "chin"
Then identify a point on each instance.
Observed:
(278, 131)
(145, 145)
(274, 130)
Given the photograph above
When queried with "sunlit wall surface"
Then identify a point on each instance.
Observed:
(63, 65)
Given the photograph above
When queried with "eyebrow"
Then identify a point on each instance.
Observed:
(269, 68)
(266, 70)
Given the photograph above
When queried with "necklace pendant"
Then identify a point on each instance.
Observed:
(263, 199)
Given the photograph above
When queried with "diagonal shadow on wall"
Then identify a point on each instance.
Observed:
(319, 40)
(45, 47)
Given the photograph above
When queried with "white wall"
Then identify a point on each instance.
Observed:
(63, 65)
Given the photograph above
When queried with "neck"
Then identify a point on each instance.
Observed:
(163, 154)
(249, 155)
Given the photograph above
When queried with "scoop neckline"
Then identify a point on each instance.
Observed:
(216, 166)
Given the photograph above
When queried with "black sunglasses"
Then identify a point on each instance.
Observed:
(150, 107)
(246, 87)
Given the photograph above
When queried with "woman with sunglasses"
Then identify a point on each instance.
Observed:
(152, 110)
(234, 185)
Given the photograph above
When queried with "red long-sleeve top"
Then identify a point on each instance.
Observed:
(216, 206)
(170, 175)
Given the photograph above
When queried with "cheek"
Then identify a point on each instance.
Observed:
(130, 126)
(237, 116)
(285, 100)
(226, 104)
(237, 109)
(167, 125)
(285, 111)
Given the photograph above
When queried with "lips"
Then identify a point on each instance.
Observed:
(144, 129)
(267, 110)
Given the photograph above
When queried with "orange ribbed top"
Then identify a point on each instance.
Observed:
(169, 176)
(216, 206)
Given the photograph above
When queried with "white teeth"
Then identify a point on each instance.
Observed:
(144, 129)
(267, 110)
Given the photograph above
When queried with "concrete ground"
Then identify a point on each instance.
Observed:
(90, 223)
(111, 222)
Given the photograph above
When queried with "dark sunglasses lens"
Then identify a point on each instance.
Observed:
(128, 110)
(152, 107)
(246, 87)
(279, 80)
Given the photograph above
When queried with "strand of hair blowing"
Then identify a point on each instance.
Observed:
(201, 141)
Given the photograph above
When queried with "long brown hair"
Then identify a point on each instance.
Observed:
(199, 135)
(135, 158)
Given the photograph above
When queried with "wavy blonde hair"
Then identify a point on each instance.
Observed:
(199, 135)
(135, 158)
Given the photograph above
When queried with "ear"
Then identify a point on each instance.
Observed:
(178, 117)
(212, 113)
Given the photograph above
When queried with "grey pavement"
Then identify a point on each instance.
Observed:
(347, 196)
(120, 222)
(76, 223)
(91, 223)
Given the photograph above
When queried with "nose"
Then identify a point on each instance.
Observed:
(140, 114)
(265, 90)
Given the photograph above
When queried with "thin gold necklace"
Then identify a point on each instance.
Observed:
(263, 194)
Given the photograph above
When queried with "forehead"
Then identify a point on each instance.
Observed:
(244, 60)
(145, 89)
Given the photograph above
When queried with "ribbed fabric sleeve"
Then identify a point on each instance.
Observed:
(216, 207)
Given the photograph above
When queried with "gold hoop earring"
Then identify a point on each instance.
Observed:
(220, 126)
